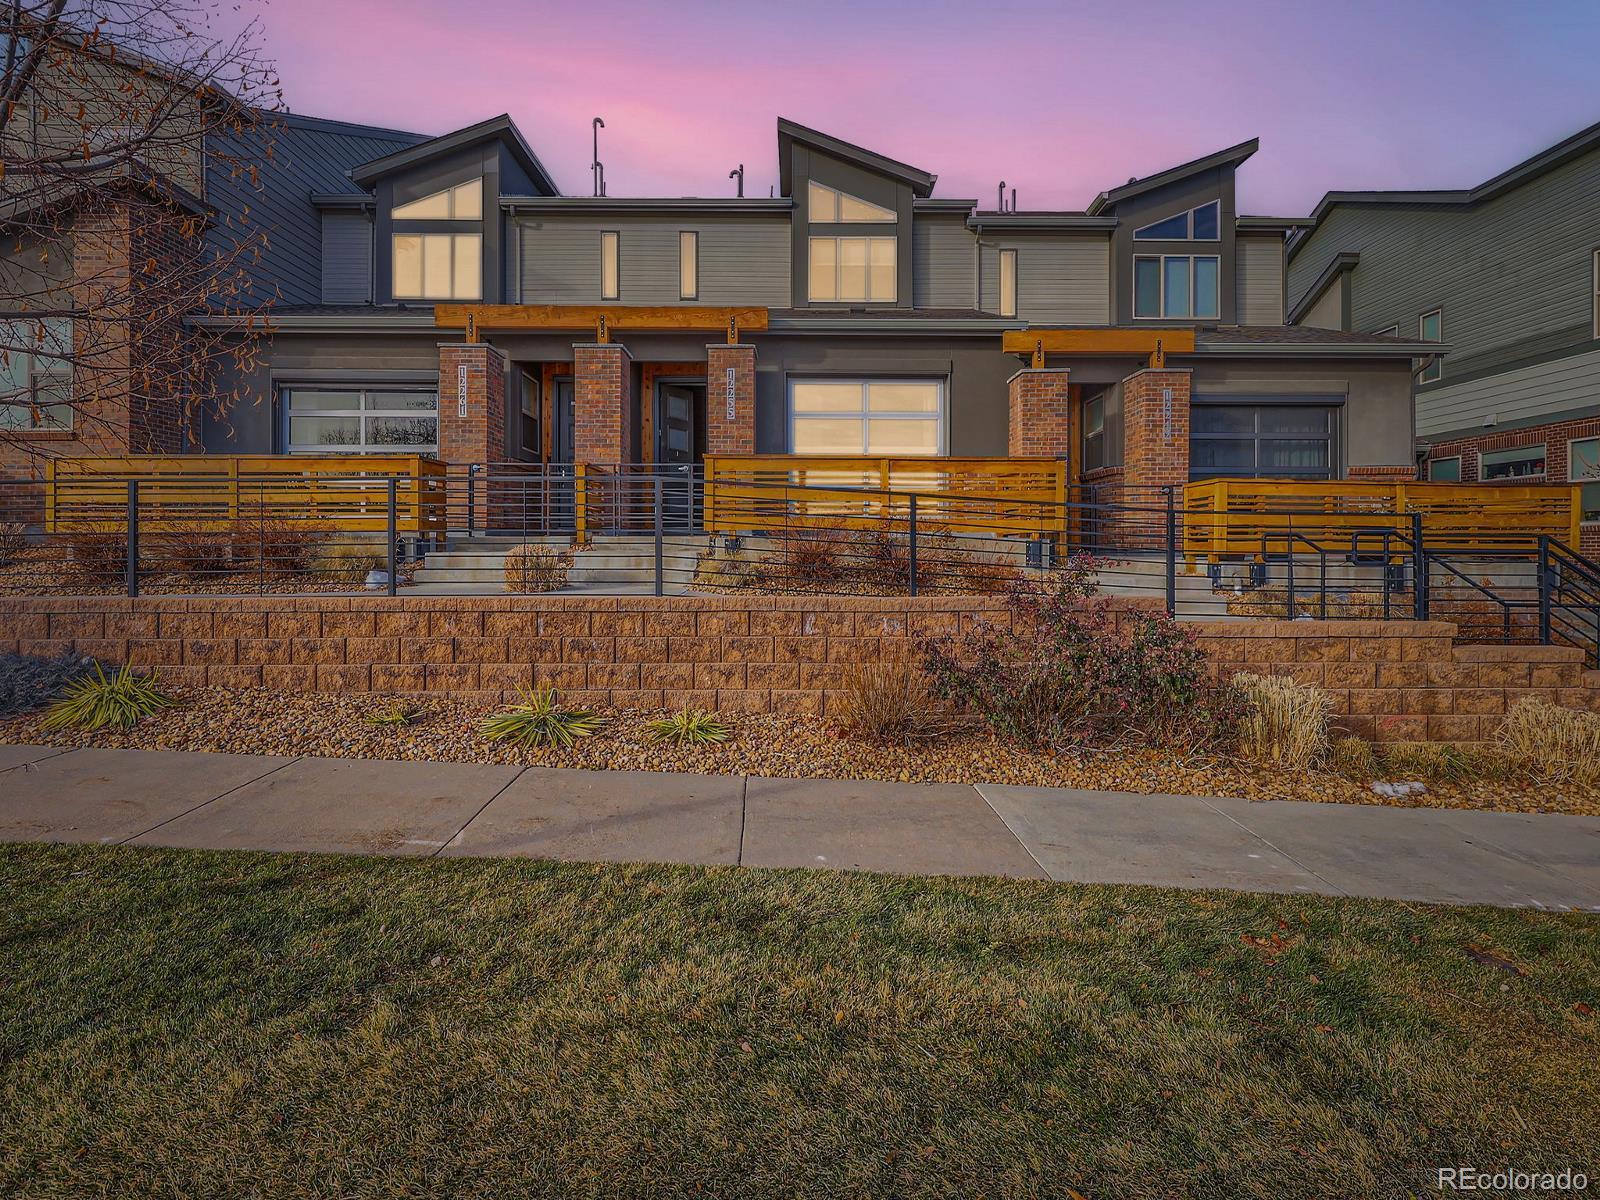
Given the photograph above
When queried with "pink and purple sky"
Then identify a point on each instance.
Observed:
(1060, 100)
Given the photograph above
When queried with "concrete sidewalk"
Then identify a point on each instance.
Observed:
(227, 801)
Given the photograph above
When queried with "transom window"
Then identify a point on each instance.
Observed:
(852, 268)
(826, 205)
(1430, 328)
(362, 420)
(1519, 462)
(1267, 441)
(1197, 225)
(867, 416)
(438, 266)
(1444, 470)
(1583, 467)
(1175, 285)
(36, 374)
(464, 202)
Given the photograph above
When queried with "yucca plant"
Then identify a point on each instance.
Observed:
(539, 720)
(102, 701)
(395, 716)
(691, 727)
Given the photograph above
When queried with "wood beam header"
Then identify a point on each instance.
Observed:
(604, 319)
(1153, 344)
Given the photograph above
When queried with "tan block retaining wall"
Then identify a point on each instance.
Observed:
(1391, 681)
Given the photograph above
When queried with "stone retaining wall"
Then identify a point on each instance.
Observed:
(1392, 681)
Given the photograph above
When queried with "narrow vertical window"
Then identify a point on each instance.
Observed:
(1597, 293)
(688, 265)
(1008, 283)
(610, 276)
(1430, 328)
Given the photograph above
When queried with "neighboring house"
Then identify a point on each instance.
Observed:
(1508, 273)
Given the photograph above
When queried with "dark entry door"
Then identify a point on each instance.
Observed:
(561, 416)
(677, 450)
(560, 480)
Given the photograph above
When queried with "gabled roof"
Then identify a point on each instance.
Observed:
(1547, 159)
(1340, 264)
(1231, 157)
(500, 128)
(789, 132)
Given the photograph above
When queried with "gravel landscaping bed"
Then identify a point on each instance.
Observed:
(267, 722)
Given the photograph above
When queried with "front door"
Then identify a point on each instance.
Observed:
(561, 483)
(678, 408)
(561, 418)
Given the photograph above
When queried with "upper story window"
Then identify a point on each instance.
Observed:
(1197, 225)
(438, 266)
(827, 204)
(688, 265)
(852, 268)
(36, 375)
(1430, 328)
(1176, 285)
(1008, 283)
(610, 265)
(464, 202)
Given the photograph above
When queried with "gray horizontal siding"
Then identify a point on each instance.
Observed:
(346, 258)
(943, 263)
(1505, 271)
(1059, 279)
(303, 160)
(742, 260)
(1544, 389)
(1258, 280)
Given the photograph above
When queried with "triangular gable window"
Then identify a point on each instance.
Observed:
(1196, 225)
(830, 205)
(464, 202)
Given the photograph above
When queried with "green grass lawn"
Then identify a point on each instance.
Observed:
(191, 1024)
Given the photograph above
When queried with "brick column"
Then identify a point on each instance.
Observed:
(1155, 438)
(1041, 417)
(602, 376)
(477, 435)
(730, 399)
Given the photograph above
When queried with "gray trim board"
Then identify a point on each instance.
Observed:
(621, 204)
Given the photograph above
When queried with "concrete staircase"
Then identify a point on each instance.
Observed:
(621, 564)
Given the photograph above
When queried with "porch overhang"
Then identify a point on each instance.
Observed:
(1152, 344)
(603, 319)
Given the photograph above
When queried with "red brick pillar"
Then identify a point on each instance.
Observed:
(472, 423)
(1155, 438)
(1041, 416)
(1155, 447)
(730, 399)
(602, 376)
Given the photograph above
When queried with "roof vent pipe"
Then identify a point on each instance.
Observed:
(595, 167)
(1013, 199)
(1000, 205)
(738, 173)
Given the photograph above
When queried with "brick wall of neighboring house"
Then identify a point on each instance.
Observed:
(1390, 680)
(1554, 437)
(602, 401)
(1039, 403)
(1383, 474)
(736, 436)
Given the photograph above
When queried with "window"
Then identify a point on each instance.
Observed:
(852, 269)
(1197, 225)
(900, 417)
(826, 204)
(36, 375)
(461, 203)
(1278, 441)
(1094, 433)
(1430, 328)
(438, 266)
(1596, 281)
(1521, 462)
(610, 267)
(356, 421)
(1583, 467)
(1173, 285)
(1008, 283)
(688, 265)
(1444, 470)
